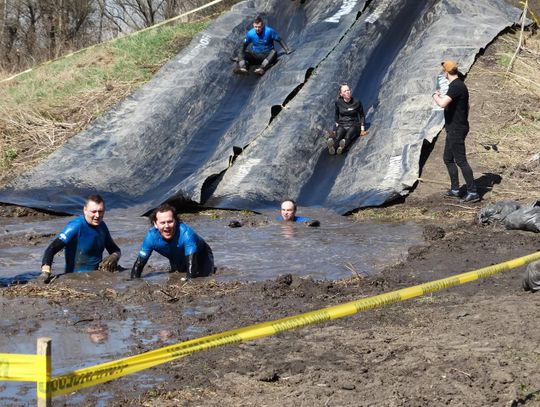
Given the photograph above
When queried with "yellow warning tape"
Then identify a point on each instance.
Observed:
(170, 20)
(20, 368)
(104, 372)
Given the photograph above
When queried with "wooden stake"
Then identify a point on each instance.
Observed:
(44, 398)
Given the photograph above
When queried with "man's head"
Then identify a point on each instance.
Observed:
(165, 219)
(258, 24)
(450, 67)
(94, 209)
(288, 209)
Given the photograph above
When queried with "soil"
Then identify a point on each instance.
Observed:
(472, 345)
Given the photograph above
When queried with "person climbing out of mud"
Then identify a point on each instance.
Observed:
(262, 51)
(288, 214)
(350, 121)
(84, 240)
(456, 122)
(186, 250)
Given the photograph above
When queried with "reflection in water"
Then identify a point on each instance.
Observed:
(287, 230)
(98, 333)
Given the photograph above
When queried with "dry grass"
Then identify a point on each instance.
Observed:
(505, 120)
(48, 292)
(29, 134)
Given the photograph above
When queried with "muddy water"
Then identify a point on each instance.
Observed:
(262, 249)
(334, 250)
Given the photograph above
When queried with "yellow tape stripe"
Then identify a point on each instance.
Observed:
(170, 20)
(19, 368)
(112, 370)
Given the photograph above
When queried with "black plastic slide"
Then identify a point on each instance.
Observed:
(197, 133)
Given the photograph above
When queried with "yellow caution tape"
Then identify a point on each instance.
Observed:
(19, 368)
(101, 373)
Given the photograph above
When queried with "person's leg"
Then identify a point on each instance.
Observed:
(340, 135)
(266, 61)
(242, 63)
(460, 158)
(448, 158)
(352, 132)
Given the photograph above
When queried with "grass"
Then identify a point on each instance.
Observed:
(41, 109)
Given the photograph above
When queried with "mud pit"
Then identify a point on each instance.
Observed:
(472, 345)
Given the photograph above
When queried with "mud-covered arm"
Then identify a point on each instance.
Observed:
(361, 116)
(138, 266)
(284, 46)
(113, 248)
(55, 246)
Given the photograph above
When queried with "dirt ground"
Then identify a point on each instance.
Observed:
(473, 345)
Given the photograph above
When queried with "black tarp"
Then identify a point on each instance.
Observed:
(174, 138)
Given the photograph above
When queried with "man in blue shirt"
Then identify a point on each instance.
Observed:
(187, 252)
(288, 214)
(84, 240)
(262, 52)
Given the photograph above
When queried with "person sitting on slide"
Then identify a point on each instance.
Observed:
(262, 51)
(350, 121)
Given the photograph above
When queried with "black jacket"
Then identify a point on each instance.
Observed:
(349, 114)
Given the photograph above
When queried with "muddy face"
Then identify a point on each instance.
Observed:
(94, 212)
(165, 224)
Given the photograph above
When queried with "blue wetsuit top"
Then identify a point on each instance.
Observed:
(184, 242)
(263, 43)
(297, 219)
(85, 244)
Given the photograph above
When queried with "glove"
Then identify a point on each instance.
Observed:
(110, 263)
(192, 266)
(46, 276)
(363, 133)
(313, 223)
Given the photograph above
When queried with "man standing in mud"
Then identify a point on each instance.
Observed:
(186, 250)
(84, 240)
(456, 118)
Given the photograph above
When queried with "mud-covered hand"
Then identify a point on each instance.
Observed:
(46, 276)
(363, 133)
(110, 263)
(313, 223)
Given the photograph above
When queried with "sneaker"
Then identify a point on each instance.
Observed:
(330, 144)
(341, 146)
(241, 70)
(471, 197)
(259, 71)
(454, 193)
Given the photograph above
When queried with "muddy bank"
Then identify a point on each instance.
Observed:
(471, 345)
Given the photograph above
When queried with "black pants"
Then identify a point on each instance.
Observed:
(348, 133)
(455, 156)
(252, 58)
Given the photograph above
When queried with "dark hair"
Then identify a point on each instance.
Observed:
(94, 198)
(341, 85)
(290, 200)
(164, 208)
(258, 20)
